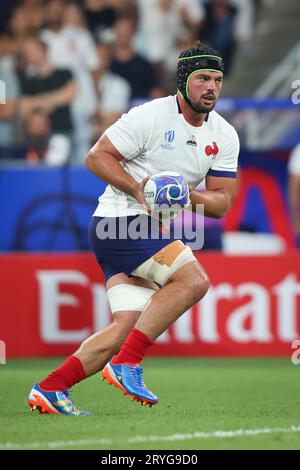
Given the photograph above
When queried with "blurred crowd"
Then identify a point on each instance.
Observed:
(68, 69)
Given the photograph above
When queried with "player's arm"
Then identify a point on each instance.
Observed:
(217, 198)
(104, 161)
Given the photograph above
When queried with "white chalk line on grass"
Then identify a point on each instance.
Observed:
(150, 438)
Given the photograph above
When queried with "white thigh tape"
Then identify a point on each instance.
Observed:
(127, 297)
(159, 271)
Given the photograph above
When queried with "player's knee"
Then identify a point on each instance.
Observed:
(202, 285)
(197, 281)
(198, 286)
(194, 280)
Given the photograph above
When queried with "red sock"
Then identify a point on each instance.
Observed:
(65, 376)
(133, 349)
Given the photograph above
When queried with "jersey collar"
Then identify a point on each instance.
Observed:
(180, 110)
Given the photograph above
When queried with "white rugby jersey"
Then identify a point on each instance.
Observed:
(155, 137)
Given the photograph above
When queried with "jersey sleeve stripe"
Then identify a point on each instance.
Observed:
(222, 174)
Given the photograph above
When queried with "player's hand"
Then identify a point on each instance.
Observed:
(139, 194)
(189, 203)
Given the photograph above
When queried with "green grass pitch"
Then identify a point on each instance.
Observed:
(257, 399)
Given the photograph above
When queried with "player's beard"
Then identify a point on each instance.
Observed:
(202, 108)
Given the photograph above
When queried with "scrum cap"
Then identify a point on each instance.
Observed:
(193, 60)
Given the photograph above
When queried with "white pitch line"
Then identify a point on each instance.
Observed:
(219, 434)
(143, 439)
(55, 444)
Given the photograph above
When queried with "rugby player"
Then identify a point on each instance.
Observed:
(150, 282)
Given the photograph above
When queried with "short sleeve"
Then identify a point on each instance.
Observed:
(226, 162)
(131, 132)
(294, 161)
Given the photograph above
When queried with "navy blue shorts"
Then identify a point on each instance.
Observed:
(116, 254)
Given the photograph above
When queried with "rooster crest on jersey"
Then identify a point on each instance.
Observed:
(165, 190)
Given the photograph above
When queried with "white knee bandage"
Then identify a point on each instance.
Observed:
(164, 263)
(127, 297)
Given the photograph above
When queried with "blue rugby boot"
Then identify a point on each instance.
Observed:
(53, 403)
(128, 378)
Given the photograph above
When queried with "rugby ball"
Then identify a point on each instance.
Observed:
(166, 190)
